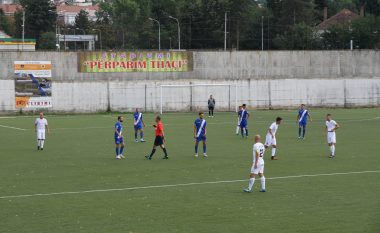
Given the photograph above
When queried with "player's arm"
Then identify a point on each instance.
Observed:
(337, 126)
(47, 127)
(311, 119)
(195, 131)
(270, 132)
(298, 118)
(117, 132)
(256, 158)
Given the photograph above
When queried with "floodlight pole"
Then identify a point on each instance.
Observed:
(159, 32)
(236, 96)
(179, 32)
(262, 32)
(161, 100)
(23, 30)
(225, 31)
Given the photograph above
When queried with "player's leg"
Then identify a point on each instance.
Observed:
(121, 149)
(303, 131)
(165, 151)
(38, 140)
(237, 129)
(204, 147)
(251, 181)
(331, 142)
(136, 131)
(117, 150)
(299, 131)
(142, 134)
(42, 140)
(273, 157)
(209, 111)
(246, 131)
(262, 180)
(196, 147)
(212, 111)
(152, 152)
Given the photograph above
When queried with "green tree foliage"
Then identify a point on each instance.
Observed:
(4, 23)
(82, 21)
(40, 17)
(47, 41)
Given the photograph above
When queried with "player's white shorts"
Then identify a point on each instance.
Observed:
(331, 137)
(41, 134)
(269, 141)
(259, 169)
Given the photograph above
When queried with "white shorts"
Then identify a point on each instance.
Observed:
(259, 169)
(41, 134)
(331, 137)
(269, 141)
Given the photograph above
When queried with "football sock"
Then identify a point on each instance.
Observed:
(39, 142)
(196, 149)
(242, 132)
(204, 148)
(262, 182)
(251, 182)
(121, 150)
(299, 132)
(135, 134)
(209, 113)
(42, 143)
(332, 149)
(237, 129)
(246, 132)
(117, 151)
(152, 153)
(273, 152)
(141, 135)
(303, 131)
(166, 153)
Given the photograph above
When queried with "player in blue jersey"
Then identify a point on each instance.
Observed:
(139, 125)
(244, 121)
(200, 133)
(119, 139)
(302, 116)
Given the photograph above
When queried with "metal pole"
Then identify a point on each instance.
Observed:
(225, 31)
(229, 98)
(23, 30)
(262, 32)
(161, 99)
(179, 32)
(236, 96)
(159, 32)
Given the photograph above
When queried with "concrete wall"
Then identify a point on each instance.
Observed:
(264, 79)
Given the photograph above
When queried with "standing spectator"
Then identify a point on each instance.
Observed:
(211, 106)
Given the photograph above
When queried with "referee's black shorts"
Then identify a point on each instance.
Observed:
(158, 141)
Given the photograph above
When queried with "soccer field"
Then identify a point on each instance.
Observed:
(76, 185)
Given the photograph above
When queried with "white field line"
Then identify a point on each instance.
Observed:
(10, 127)
(177, 185)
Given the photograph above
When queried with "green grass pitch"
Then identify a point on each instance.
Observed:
(79, 156)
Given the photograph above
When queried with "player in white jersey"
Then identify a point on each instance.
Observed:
(331, 126)
(40, 124)
(257, 165)
(270, 139)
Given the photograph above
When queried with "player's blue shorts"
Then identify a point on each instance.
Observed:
(243, 124)
(138, 126)
(302, 123)
(201, 138)
(119, 140)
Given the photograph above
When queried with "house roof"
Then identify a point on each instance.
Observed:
(10, 9)
(76, 9)
(343, 17)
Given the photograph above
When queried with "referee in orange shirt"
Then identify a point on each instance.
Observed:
(159, 140)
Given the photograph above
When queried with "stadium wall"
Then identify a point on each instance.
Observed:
(277, 79)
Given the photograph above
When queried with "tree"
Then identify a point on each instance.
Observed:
(82, 21)
(47, 41)
(40, 17)
(299, 36)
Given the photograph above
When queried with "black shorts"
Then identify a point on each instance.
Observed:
(158, 141)
(210, 108)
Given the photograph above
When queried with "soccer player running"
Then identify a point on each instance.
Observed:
(200, 133)
(160, 140)
(331, 127)
(211, 106)
(244, 121)
(302, 116)
(119, 139)
(270, 139)
(40, 125)
(239, 120)
(257, 165)
(139, 125)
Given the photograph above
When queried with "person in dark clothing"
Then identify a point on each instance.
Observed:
(211, 106)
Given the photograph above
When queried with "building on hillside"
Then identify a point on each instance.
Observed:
(345, 16)
(68, 12)
(10, 9)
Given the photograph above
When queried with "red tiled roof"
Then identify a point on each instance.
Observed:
(10, 9)
(76, 9)
(344, 16)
